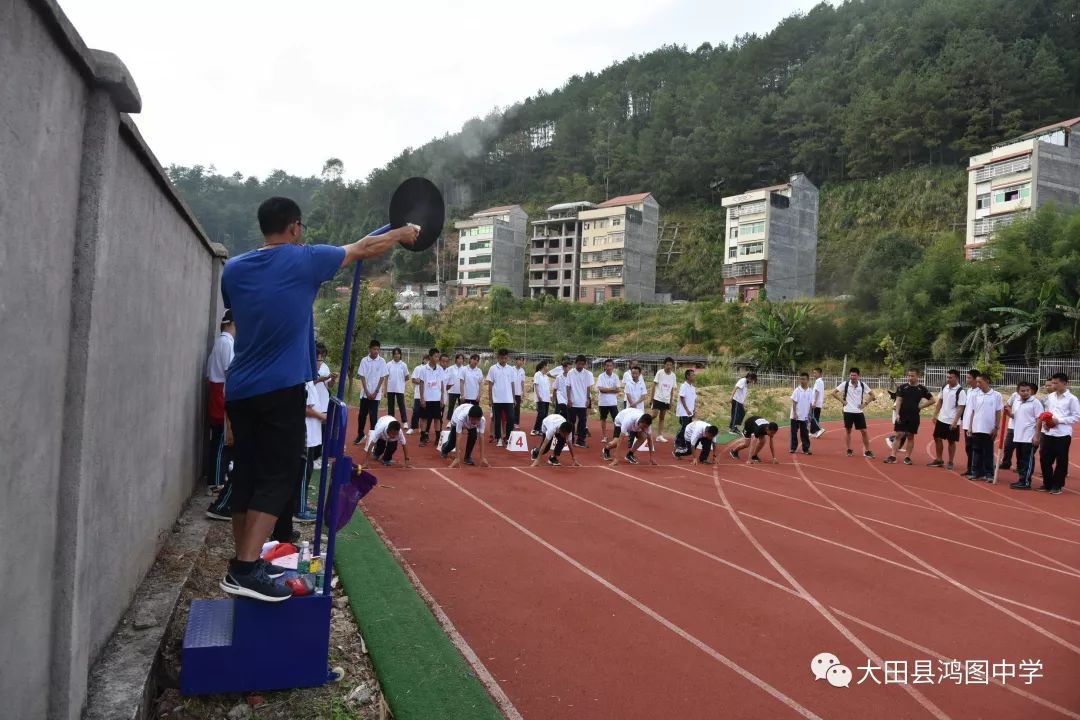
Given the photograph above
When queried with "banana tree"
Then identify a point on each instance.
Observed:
(1029, 325)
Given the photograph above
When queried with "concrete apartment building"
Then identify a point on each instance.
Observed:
(618, 250)
(491, 251)
(1019, 175)
(771, 242)
(554, 251)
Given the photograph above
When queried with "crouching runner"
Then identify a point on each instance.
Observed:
(636, 427)
(556, 431)
(698, 434)
(467, 420)
(383, 441)
(755, 431)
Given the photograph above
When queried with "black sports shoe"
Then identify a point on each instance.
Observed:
(890, 460)
(631, 459)
(535, 453)
(1057, 491)
(807, 452)
(554, 462)
(606, 453)
(869, 455)
(907, 461)
(1020, 486)
(469, 461)
(850, 453)
(256, 585)
(580, 445)
(272, 570)
(733, 454)
(1042, 488)
(755, 459)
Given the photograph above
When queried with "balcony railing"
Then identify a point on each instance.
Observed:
(988, 172)
(986, 226)
(745, 269)
(747, 209)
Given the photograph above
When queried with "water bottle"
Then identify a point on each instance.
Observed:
(303, 563)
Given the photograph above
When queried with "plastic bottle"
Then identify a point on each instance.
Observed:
(303, 563)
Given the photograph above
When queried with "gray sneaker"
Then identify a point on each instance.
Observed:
(256, 585)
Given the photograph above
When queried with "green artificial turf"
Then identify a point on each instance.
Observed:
(423, 675)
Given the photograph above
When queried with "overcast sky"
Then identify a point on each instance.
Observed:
(258, 85)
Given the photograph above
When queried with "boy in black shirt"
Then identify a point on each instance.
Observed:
(910, 400)
(756, 430)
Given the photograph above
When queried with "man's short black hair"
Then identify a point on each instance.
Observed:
(986, 377)
(773, 427)
(375, 343)
(669, 360)
(503, 352)
(954, 373)
(566, 427)
(646, 418)
(855, 370)
(751, 376)
(712, 431)
(973, 373)
(913, 370)
(688, 373)
(580, 358)
(609, 360)
(394, 426)
(819, 370)
(541, 365)
(1027, 384)
(395, 351)
(1060, 376)
(804, 375)
(474, 356)
(433, 351)
(459, 355)
(476, 412)
(320, 348)
(567, 361)
(276, 214)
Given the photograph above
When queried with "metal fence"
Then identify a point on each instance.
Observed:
(934, 376)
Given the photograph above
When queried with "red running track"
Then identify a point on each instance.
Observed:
(704, 592)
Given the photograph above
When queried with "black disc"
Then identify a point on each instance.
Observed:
(419, 202)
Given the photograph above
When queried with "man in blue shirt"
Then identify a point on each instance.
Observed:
(271, 291)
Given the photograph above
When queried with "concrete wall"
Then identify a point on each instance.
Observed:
(108, 296)
(792, 238)
(1057, 175)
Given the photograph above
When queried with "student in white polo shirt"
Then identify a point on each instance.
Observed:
(384, 440)
(418, 391)
(467, 420)
(561, 374)
(541, 394)
(501, 378)
(453, 384)
(1023, 410)
(372, 373)
(634, 389)
(855, 395)
(982, 418)
(579, 384)
(472, 380)
(433, 382)
(738, 400)
(802, 410)
(519, 388)
(607, 391)
(698, 434)
(687, 406)
(634, 425)
(816, 430)
(397, 377)
(557, 432)
(1056, 433)
(215, 460)
(627, 376)
(948, 414)
(662, 390)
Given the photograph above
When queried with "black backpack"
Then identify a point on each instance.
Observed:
(865, 388)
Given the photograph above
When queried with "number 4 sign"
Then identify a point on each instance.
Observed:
(517, 442)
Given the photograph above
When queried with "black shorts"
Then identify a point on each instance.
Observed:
(433, 411)
(945, 431)
(657, 405)
(608, 411)
(855, 420)
(630, 436)
(906, 425)
(270, 446)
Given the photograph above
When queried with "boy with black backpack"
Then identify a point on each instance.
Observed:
(911, 399)
(855, 395)
(948, 413)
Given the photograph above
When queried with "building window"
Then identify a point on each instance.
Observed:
(616, 221)
(733, 251)
(616, 291)
(588, 226)
(733, 232)
(461, 261)
(569, 242)
(484, 245)
(583, 292)
(537, 276)
(566, 275)
(479, 259)
(598, 296)
(461, 276)
(982, 202)
(754, 228)
(472, 292)
(568, 258)
(566, 292)
(553, 275)
(477, 274)
(752, 248)
(1012, 193)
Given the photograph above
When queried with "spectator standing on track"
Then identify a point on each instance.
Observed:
(755, 431)
(911, 399)
(1056, 434)
(802, 410)
(1023, 410)
(982, 418)
(215, 463)
(557, 432)
(542, 395)
(372, 373)
(467, 420)
(662, 391)
(444, 363)
(948, 414)
(687, 400)
(562, 406)
(854, 395)
(738, 399)
(397, 376)
(607, 391)
(1008, 450)
(627, 377)
(969, 451)
(454, 375)
(634, 390)
(816, 430)
(472, 380)
(698, 434)
(579, 384)
(432, 379)
(519, 388)
(501, 379)
(418, 392)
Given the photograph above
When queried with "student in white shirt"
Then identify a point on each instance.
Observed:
(854, 395)
(397, 376)
(627, 376)
(467, 420)
(557, 432)
(1007, 454)
(634, 389)
(698, 434)
(579, 382)
(561, 374)
(432, 380)
(383, 442)
(298, 511)
(542, 395)
(372, 373)
(444, 363)
(948, 413)
(662, 389)
(501, 378)
(972, 386)
(816, 430)
(418, 390)
(802, 410)
(635, 425)
(1056, 434)
(214, 459)
(982, 418)
(687, 400)
(738, 400)
(1023, 411)
(519, 388)
(453, 384)
(472, 379)
(607, 391)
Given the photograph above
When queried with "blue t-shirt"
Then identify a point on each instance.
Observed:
(270, 292)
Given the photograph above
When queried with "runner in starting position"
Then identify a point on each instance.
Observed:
(636, 426)
(755, 430)
(698, 434)
(557, 433)
(467, 420)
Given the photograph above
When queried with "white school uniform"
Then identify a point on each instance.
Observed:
(540, 385)
(611, 382)
(637, 390)
(473, 378)
(322, 390)
(663, 386)
(628, 421)
(578, 384)
(979, 415)
(314, 425)
(819, 393)
(740, 391)
(687, 396)
(373, 370)
(560, 388)
(519, 382)
(695, 431)
(463, 423)
(220, 358)
(1024, 416)
(1066, 410)
(453, 379)
(378, 432)
(416, 389)
(551, 425)
(950, 401)
(397, 372)
(502, 379)
(855, 394)
(434, 379)
(802, 403)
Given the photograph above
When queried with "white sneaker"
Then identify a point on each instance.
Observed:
(410, 431)
(661, 438)
(317, 465)
(499, 444)
(603, 439)
(818, 434)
